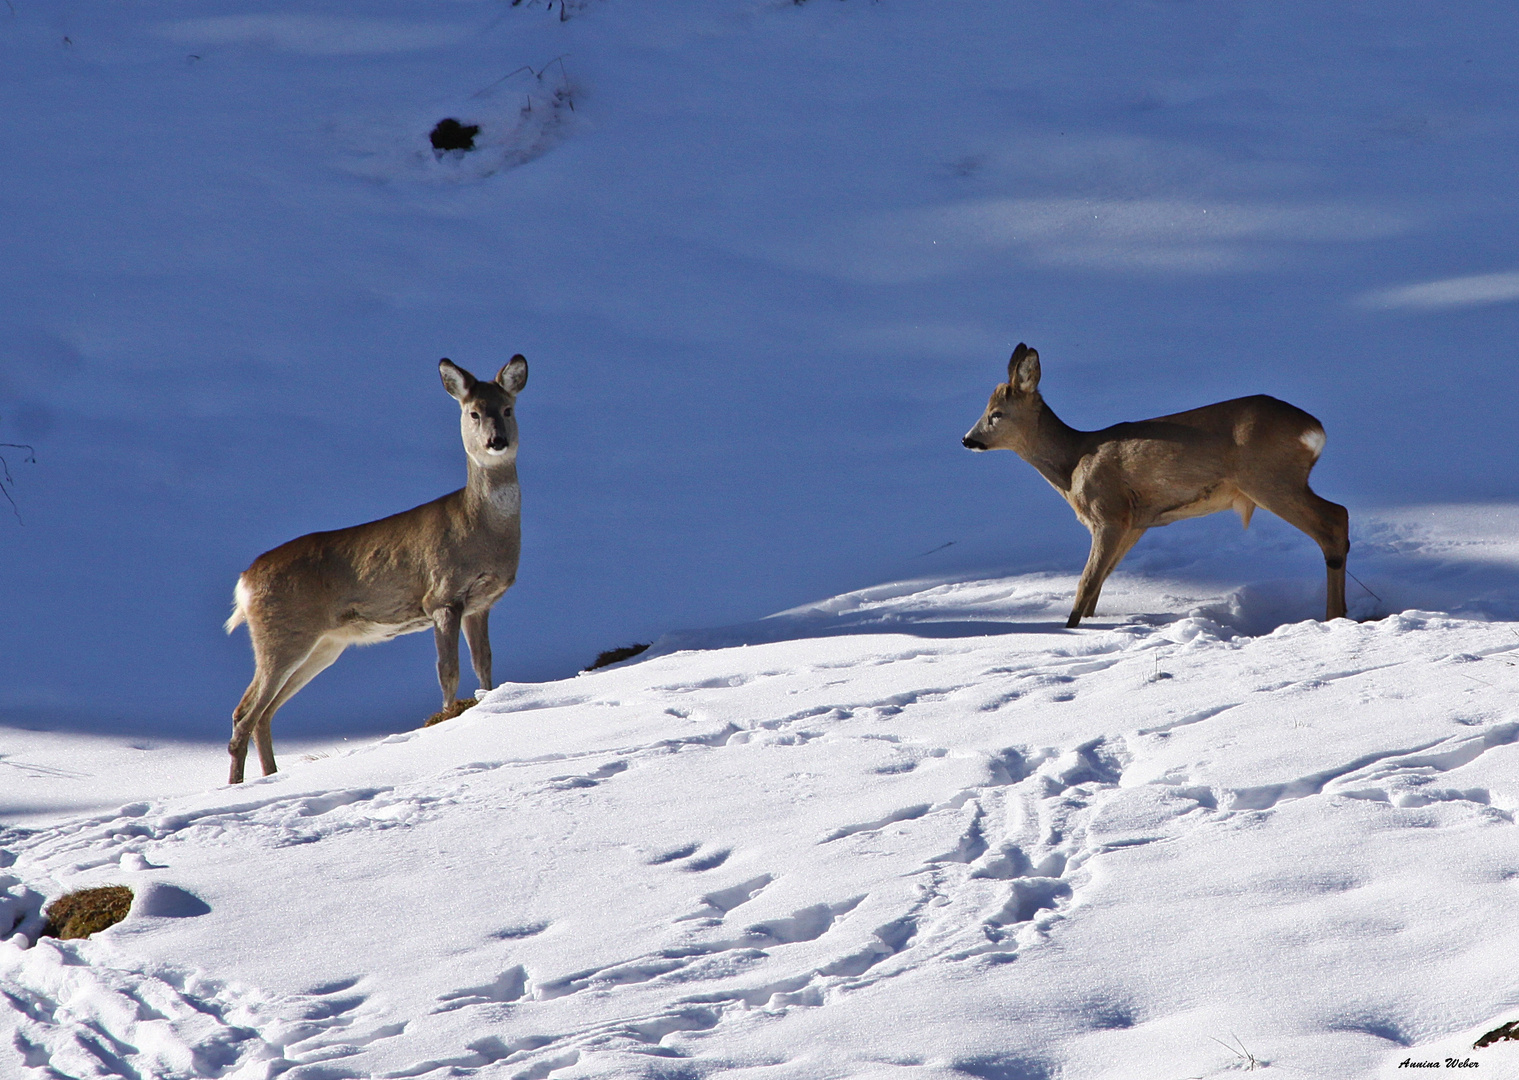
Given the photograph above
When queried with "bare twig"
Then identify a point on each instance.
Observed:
(930, 551)
(1363, 585)
(7, 481)
(498, 82)
(1246, 1058)
(537, 73)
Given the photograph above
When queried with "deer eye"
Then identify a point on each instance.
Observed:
(474, 415)
(994, 417)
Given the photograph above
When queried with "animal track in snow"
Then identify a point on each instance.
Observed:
(722, 901)
(81, 1015)
(276, 821)
(1405, 779)
(510, 985)
(693, 962)
(590, 779)
(539, 1056)
(907, 813)
(1461, 753)
(710, 861)
(1191, 718)
(808, 924)
(682, 852)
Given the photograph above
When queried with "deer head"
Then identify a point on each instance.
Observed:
(486, 420)
(1013, 409)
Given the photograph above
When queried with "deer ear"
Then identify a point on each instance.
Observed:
(456, 380)
(1023, 369)
(513, 377)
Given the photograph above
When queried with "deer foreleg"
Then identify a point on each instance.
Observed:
(1109, 544)
(446, 633)
(1130, 538)
(477, 634)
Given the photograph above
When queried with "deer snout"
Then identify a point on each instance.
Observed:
(970, 442)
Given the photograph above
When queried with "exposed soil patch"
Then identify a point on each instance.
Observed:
(80, 914)
(452, 135)
(1508, 1032)
(616, 656)
(459, 705)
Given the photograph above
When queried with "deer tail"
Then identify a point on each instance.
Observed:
(239, 607)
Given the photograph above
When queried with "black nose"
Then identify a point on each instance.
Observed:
(972, 444)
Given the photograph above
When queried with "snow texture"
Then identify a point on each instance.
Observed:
(957, 840)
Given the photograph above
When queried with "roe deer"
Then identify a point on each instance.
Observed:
(440, 565)
(1124, 479)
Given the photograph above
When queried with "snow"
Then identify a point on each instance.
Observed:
(930, 830)
(767, 260)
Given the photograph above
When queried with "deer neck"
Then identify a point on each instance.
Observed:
(491, 493)
(1052, 447)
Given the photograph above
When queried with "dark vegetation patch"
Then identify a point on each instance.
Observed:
(80, 914)
(459, 705)
(1508, 1032)
(617, 656)
(452, 135)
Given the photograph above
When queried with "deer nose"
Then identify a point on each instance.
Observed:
(972, 444)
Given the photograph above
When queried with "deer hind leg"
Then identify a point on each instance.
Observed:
(1109, 544)
(477, 634)
(321, 658)
(1326, 522)
(282, 669)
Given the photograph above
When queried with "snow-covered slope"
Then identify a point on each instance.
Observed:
(942, 836)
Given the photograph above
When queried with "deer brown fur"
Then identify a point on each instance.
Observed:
(441, 565)
(1124, 479)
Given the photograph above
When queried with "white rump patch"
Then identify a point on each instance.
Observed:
(1313, 439)
(239, 606)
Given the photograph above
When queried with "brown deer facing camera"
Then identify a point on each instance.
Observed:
(1124, 479)
(439, 566)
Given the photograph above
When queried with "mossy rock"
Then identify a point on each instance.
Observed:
(459, 705)
(80, 914)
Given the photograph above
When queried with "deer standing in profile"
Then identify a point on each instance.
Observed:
(440, 565)
(1124, 479)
